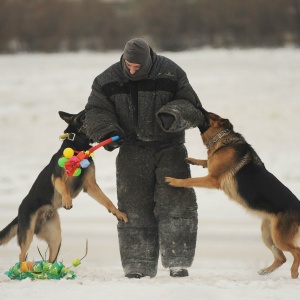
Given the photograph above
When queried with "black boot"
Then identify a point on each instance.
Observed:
(178, 272)
(134, 275)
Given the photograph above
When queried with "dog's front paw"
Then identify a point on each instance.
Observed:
(191, 161)
(197, 162)
(121, 216)
(172, 181)
(67, 203)
(67, 207)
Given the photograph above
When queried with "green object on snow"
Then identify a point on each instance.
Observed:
(40, 270)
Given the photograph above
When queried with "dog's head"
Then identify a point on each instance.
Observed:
(215, 125)
(215, 121)
(75, 122)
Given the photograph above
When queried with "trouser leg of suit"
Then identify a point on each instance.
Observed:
(138, 239)
(175, 209)
(158, 214)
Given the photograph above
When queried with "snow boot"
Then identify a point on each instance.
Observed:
(178, 272)
(134, 275)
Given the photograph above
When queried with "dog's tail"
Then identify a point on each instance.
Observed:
(9, 232)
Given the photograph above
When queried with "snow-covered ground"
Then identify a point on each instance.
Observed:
(258, 90)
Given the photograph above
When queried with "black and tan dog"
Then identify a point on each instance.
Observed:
(234, 167)
(53, 189)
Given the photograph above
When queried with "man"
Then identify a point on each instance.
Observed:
(147, 100)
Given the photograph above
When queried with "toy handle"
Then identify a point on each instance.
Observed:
(103, 143)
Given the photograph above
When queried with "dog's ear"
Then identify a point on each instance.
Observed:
(66, 116)
(226, 123)
(80, 117)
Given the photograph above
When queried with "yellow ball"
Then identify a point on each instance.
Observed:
(68, 152)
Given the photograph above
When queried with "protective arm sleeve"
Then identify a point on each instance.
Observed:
(184, 111)
(101, 118)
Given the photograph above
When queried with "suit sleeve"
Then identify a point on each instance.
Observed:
(184, 111)
(101, 118)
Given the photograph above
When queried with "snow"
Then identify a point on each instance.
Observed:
(258, 90)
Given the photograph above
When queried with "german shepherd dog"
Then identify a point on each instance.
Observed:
(234, 167)
(53, 189)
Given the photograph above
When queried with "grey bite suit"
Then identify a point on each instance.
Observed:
(162, 219)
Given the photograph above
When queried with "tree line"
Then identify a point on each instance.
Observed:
(171, 25)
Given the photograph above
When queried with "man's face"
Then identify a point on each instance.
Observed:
(132, 67)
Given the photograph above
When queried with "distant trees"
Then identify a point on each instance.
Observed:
(72, 25)
(221, 23)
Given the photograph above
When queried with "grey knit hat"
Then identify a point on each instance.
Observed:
(137, 51)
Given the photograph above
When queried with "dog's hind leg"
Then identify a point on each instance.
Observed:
(279, 257)
(284, 232)
(25, 237)
(25, 245)
(50, 231)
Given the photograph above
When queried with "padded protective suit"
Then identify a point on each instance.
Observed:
(152, 115)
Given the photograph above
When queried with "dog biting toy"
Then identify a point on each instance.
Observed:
(43, 269)
(73, 163)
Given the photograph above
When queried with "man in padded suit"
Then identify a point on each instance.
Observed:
(147, 100)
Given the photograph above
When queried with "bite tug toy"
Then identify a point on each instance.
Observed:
(73, 163)
(43, 269)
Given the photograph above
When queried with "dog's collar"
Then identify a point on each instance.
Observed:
(76, 138)
(70, 136)
(217, 137)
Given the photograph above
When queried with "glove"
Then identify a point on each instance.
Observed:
(115, 144)
(167, 120)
